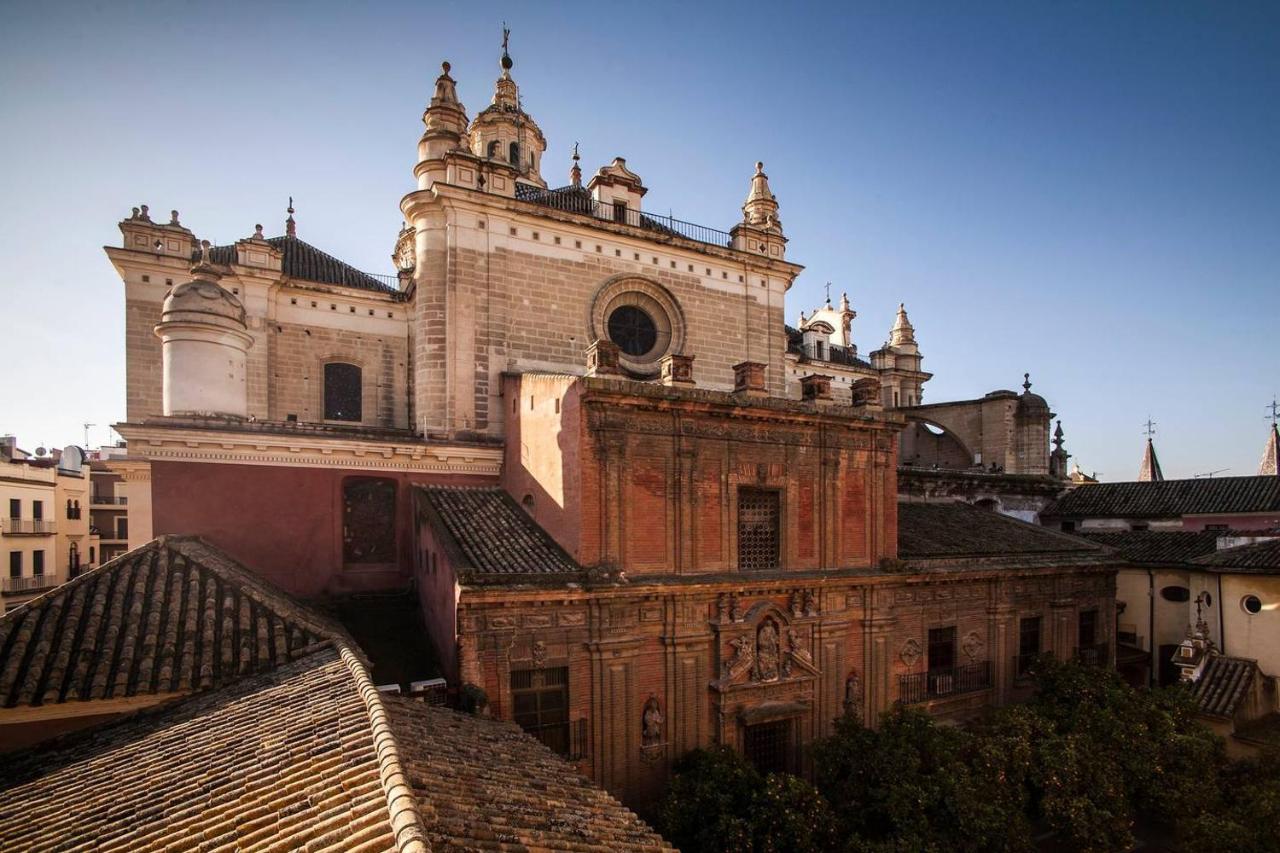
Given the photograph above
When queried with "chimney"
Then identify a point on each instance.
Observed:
(602, 359)
(748, 379)
(816, 388)
(677, 370)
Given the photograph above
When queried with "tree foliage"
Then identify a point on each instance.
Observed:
(1086, 760)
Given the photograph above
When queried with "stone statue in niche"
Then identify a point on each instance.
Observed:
(795, 605)
(539, 654)
(722, 608)
(651, 722)
(810, 603)
(971, 645)
(853, 695)
(768, 656)
(799, 649)
(735, 615)
(911, 652)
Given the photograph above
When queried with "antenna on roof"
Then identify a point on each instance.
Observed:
(1209, 474)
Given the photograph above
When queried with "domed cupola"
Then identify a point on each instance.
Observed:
(204, 340)
(504, 132)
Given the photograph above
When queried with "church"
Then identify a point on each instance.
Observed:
(638, 511)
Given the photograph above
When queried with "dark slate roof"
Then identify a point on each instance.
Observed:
(485, 785)
(953, 529)
(172, 616)
(305, 262)
(491, 535)
(1169, 498)
(1158, 546)
(1224, 684)
(1262, 557)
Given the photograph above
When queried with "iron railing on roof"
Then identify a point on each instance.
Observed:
(935, 684)
(576, 200)
(391, 281)
(833, 354)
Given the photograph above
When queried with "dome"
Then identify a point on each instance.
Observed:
(203, 301)
(1032, 404)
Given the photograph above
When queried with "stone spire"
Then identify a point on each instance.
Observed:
(575, 172)
(1058, 458)
(1270, 464)
(1150, 471)
(761, 208)
(290, 227)
(903, 332)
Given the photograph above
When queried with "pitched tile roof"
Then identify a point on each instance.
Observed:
(173, 616)
(485, 785)
(1162, 547)
(953, 529)
(307, 755)
(1261, 557)
(490, 534)
(1223, 684)
(305, 262)
(1169, 498)
(281, 760)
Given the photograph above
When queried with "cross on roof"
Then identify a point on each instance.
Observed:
(828, 293)
(1275, 408)
(1150, 427)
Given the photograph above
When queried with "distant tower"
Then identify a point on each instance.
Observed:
(1270, 464)
(445, 120)
(1150, 471)
(1058, 458)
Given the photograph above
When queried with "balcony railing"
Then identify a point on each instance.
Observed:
(1094, 655)
(28, 526)
(923, 686)
(568, 739)
(110, 500)
(833, 354)
(29, 584)
(578, 201)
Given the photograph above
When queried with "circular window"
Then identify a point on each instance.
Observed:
(1175, 593)
(1208, 600)
(642, 318)
(633, 330)
(1251, 604)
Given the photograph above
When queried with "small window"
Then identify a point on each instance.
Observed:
(93, 555)
(1087, 633)
(37, 563)
(37, 510)
(15, 508)
(942, 648)
(368, 520)
(1251, 604)
(1140, 525)
(15, 564)
(758, 513)
(514, 151)
(1175, 593)
(73, 558)
(342, 392)
(493, 149)
(620, 212)
(1028, 643)
(1068, 527)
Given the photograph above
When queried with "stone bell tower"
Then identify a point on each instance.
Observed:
(503, 132)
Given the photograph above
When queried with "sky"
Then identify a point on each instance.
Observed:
(1088, 192)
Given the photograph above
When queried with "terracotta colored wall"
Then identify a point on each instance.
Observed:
(438, 596)
(285, 523)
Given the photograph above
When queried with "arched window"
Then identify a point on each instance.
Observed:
(493, 149)
(341, 392)
(93, 556)
(515, 154)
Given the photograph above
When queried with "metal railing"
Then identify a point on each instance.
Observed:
(1094, 655)
(922, 686)
(28, 526)
(391, 281)
(109, 500)
(566, 739)
(577, 201)
(833, 354)
(29, 584)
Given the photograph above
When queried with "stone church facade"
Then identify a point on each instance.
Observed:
(640, 512)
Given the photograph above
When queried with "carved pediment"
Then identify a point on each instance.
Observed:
(764, 648)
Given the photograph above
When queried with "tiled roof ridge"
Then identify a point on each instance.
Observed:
(544, 555)
(285, 238)
(226, 254)
(402, 805)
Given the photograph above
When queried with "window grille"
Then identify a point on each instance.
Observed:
(768, 746)
(758, 513)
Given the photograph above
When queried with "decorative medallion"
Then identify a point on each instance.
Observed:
(972, 645)
(911, 652)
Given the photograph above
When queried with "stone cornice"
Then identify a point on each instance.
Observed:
(157, 442)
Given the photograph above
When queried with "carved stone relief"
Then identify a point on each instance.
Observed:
(911, 652)
(853, 695)
(972, 645)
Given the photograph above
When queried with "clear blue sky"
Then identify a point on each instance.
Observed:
(1089, 192)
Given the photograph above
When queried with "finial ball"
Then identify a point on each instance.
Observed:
(446, 67)
(759, 166)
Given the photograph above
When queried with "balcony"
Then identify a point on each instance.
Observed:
(108, 500)
(27, 526)
(833, 354)
(38, 583)
(940, 683)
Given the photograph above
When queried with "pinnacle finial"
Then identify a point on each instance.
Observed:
(446, 67)
(575, 171)
(290, 227)
(759, 167)
(1026, 382)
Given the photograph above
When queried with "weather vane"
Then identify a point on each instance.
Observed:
(1275, 408)
(506, 35)
(1150, 427)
